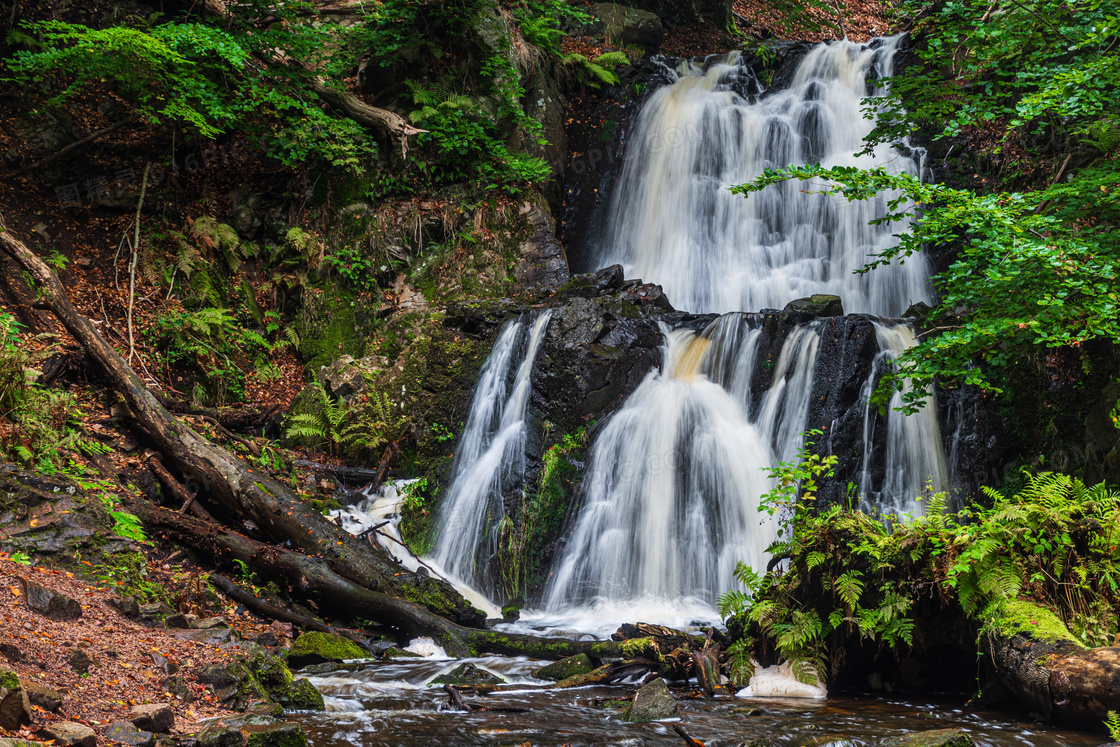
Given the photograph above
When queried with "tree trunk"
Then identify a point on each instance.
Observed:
(248, 493)
(312, 579)
(1059, 679)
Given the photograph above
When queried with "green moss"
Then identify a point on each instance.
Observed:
(332, 324)
(1020, 617)
(565, 668)
(643, 647)
(287, 734)
(9, 680)
(301, 695)
(315, 648)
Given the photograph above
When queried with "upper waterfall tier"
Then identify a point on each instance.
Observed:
(672, 220)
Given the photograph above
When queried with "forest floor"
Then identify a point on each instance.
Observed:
(132, 660)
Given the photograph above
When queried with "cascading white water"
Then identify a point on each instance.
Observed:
(490, 458)
(914, 460)
(674, 222)
(670, 500)
(671, 497)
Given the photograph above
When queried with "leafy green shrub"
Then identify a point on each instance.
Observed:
(213, 343)
(596, 72)
(860, 574)
(37, 425)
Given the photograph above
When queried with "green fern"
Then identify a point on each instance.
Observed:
(1112, 723)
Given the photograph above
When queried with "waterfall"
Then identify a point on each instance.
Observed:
(669, 503)
(914, 461)
(490, 458)
(672, 220)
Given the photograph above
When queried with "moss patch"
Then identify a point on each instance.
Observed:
(317, 648)
(1020, 617)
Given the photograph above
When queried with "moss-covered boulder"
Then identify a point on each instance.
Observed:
(467, 674)
(318, 648)
(301, 695)
(569, 667)
(818, 304)
(652, 703)
(257, 678)
(933, 738)
(15, 709)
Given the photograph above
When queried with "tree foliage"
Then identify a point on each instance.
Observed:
(1035, 265)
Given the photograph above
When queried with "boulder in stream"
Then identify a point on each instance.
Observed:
(467, 674)
(318, 648)
(565, 668)
(932, 738)
(818, 304)
(652, 703)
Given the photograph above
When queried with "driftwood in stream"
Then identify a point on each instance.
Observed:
(312, 579)
(1059, 679)
(246, 492)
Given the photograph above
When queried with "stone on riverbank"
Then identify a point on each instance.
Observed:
(68, 733)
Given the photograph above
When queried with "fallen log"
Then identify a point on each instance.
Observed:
(312, 579)
(248, 493)
(1057, 677)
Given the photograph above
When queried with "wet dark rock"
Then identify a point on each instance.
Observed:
(15, 708)
(42, 696)
(153, 717)
(11, 652)
(542, 262)
(125, 732)
(758, 742)
(933, 738)
(559, 670)
(623, 25)
(66, 733)
(817, 305)
(920, 311)
(847, 349)
(250, 730)
(467, 674)
(652, 702)
(283, 734)
(81, 662)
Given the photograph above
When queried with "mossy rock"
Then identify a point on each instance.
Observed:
(400, 653)
(271, 672)
(467, 674)
(317, 648)
(284, 734)
(301, 695)
(652, 702)
(933, 738)
(565, 668)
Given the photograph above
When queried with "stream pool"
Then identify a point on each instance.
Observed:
(390, 703)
